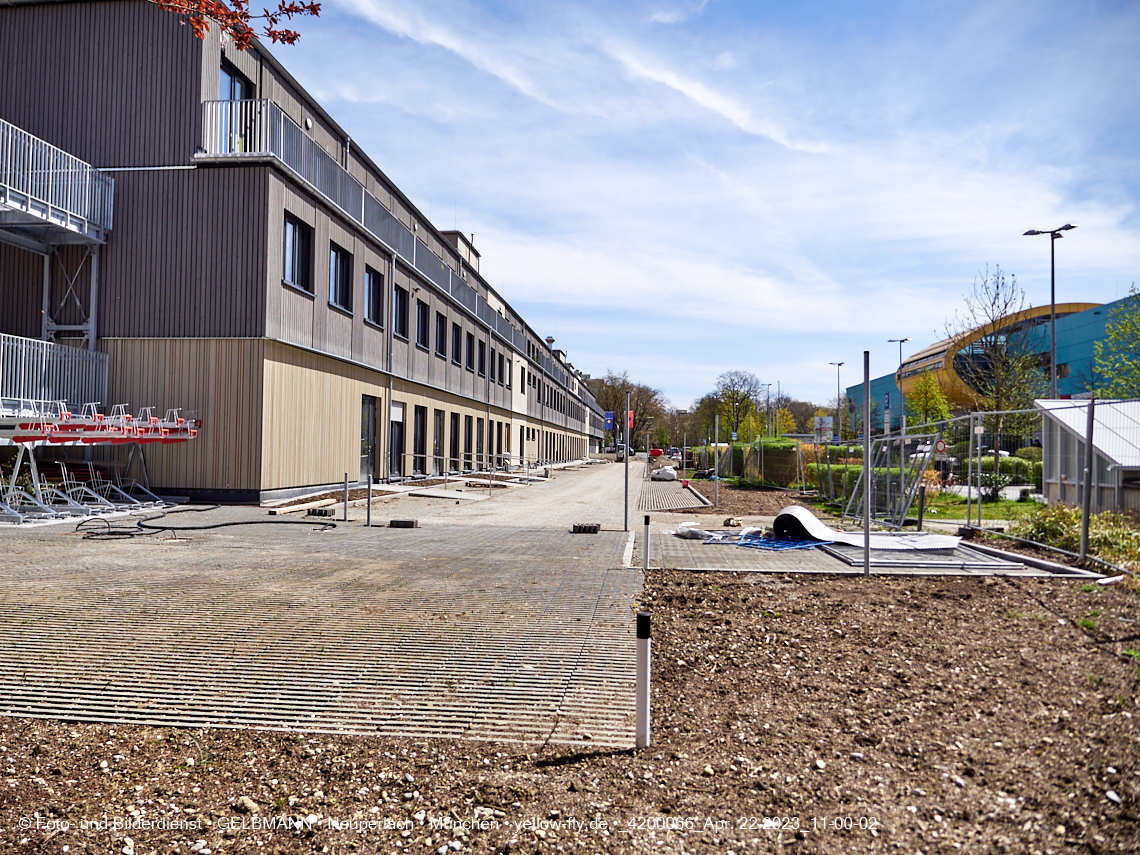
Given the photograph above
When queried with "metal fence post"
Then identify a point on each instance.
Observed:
(716, 463)
(346, 497)
(866, 462)
(368, 514)
(1086, 504)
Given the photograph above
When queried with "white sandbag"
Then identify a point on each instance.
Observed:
(665, 473)
(689, 531)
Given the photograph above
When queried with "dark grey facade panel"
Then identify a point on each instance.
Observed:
(21, 291)
(188, 256)
(123, 88)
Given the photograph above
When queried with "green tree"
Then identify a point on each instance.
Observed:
(1117, 358)
(927, 402)
(783, 421)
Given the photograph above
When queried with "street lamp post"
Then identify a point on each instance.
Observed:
(1054, 236)
(902, 398)
(767, 425)
(838, 409)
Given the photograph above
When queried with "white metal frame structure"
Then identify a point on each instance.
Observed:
(49, 199)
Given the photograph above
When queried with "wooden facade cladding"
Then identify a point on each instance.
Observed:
(220, 378)
(188, 255)
(311, 411)
(123, 87)
(193, 310)
(21, 291)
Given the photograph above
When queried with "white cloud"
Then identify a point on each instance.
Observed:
(677, 225)
(412, 24)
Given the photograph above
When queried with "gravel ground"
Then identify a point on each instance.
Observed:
(790, 714)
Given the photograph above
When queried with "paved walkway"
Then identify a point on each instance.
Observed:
(490, 621)
(670, 552)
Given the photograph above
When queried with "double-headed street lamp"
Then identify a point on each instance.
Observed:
(1054, 236)
(838, 409)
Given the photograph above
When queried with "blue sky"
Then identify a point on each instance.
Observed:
(678, 188)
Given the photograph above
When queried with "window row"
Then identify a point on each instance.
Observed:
(478, 444)
(298, 272)
(550, 396)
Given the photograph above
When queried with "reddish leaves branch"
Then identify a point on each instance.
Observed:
(236, 19)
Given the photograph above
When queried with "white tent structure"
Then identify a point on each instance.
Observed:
(1116, 452)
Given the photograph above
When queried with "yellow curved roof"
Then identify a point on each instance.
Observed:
(939, 357)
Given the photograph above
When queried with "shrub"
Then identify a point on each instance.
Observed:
(992, 485)
(1019, 469)
(1113, 537)
(1030, 452)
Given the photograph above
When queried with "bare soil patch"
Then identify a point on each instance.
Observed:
(881, 715)
(738, 501)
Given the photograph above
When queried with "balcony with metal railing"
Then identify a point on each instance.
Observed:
(259, 128)
(49, 197)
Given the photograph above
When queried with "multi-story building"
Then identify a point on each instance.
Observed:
(955, 361)
(261, 269)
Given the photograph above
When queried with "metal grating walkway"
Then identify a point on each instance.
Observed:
(457, 632)
(667, 495)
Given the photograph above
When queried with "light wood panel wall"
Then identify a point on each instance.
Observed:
(222, 380)
(311, 412)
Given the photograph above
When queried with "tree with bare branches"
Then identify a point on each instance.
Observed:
(1003, 364)
(646, 403)
(737, 391)
(236, 19)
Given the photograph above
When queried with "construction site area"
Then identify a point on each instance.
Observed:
(221, 679)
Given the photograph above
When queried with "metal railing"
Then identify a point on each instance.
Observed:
(40, 179)
(40, 370)
(260, 128)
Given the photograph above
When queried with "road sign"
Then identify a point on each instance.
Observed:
(940, 446)
(734, 436)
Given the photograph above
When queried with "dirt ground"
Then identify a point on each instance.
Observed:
(790, 714)
(737, 502)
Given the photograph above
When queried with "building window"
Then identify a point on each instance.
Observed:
(437, 466)
(467, 428)
(374, 296)
(298, 254)
(419, 441)
(502, 370)
(236, 123)
(441, 335)
(454, 446)
(510, 369)
(340, 277)
(457, 344)
(423, 324)
(482, 358)
(470, 351)
(492, 365)
(400, 312)
(234, 86)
